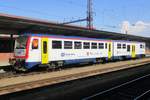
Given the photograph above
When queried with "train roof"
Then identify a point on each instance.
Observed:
(74, 37)
(65, 37)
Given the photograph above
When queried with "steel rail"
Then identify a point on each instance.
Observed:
(12, 74)
(54, 80)
(119, 86)
(142, 95)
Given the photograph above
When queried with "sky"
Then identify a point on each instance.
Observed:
(131, 16)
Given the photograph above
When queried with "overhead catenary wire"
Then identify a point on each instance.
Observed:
(44, 13)
(29, 10)
(61, 19)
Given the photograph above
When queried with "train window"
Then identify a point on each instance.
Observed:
(132, 48)
(21, 42)
(105, 45)
(128, 48)
(118, 46)
(86, 45)
(101, 45)
(44, 47)
(124, 46)
(77, 45)
(109, 47)
(56, 44)
(141, 46)
(67, 44)
(94, 46)
(35, 43)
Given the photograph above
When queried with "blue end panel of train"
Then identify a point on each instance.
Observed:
(30, 65)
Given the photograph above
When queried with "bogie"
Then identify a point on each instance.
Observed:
(54, 51)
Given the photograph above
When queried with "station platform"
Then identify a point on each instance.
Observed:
(4, 58)
(15, 84)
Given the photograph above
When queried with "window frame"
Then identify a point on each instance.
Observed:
(128, 48)
(32, 45)
(85, 46)
(109, 47)
(100, 45)
(76, 46)
(60, 46)
(45, 50)
(93, 45)
(124, 46)
(119, 46)
(106, 45)
(141, 46)
(70, 46)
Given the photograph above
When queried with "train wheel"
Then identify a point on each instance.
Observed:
(20, 69)
(98, 60)
(60, 64)
(51, 66)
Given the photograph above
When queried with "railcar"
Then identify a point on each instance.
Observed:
(128, 49)
(34, 50)
(6, 50)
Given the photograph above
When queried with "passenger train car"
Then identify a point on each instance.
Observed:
(34, 50)
(6, 50)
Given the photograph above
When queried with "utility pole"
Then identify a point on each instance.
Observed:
(88, 19)
(89, 14)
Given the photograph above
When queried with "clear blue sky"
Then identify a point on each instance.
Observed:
(108, 14)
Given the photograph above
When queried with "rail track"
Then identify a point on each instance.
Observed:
(74, 89)
(136, 89)
(30, 80)
(10, 73)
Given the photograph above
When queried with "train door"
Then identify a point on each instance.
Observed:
(44, 50)
(109, 50)
(133, 51)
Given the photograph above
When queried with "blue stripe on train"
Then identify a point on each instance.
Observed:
(139, 55)
(120, 57)
(30, 65)
(80, 61)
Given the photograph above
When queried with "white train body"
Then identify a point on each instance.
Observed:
(125, 49)
(52, 49)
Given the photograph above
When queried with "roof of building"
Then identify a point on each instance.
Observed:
(11, 24)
